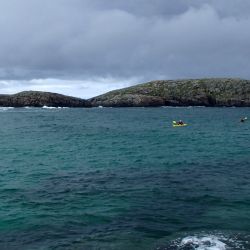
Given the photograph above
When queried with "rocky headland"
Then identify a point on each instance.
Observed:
(40, 99)
(191, 92)
(213, 92)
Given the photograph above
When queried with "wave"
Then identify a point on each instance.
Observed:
(203, 243)
(6, 108)
(209, 242)
(46, 107)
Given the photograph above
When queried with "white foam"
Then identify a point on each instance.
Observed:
(6, 108)
(203, 243)
(46, 107)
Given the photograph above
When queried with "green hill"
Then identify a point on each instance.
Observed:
(194, 92)
(40, 99)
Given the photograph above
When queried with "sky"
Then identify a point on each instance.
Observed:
(88, 47)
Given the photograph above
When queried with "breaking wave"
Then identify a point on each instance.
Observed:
(209, 242)
(6, 108)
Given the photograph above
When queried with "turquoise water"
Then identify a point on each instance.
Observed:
(124, 179)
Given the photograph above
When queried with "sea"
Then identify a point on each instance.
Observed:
(124, 178)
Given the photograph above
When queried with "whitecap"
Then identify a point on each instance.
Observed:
(6, 108)
(46, 107)
(203, 243)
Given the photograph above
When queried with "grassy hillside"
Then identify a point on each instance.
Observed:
(207, 92)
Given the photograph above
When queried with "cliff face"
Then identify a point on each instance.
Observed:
(195, 92)
(40, 99)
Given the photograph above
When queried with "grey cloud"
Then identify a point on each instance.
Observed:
(144, 39)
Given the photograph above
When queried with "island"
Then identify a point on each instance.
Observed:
(40, 99)
(209, 92)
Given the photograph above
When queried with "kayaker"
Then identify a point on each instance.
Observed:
(243, 119)
(180, 122)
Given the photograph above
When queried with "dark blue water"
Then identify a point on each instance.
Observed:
(124, 179)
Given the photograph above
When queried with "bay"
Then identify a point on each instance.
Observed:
(106, 178)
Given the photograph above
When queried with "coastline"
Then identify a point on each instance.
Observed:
(212, 92)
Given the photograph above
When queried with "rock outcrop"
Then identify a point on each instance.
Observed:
(40, 99)
(192, 92)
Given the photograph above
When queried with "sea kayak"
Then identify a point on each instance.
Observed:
(180, 125)
(175, 124)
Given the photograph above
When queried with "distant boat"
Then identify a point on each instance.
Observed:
(176, 124)
(243, 119)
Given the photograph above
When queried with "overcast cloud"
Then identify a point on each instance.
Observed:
(86, 47)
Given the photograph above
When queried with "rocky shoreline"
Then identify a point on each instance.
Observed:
(211, 92)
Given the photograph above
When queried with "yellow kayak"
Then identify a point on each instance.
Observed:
(175, 124)
(178, 125)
